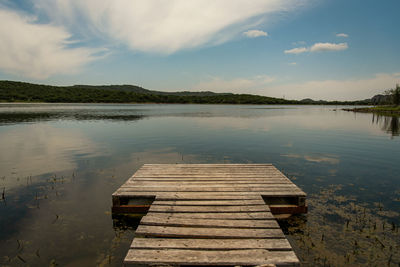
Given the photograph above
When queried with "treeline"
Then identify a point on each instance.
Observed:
(11, 91)
(26, 92)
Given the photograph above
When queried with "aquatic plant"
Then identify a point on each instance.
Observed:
(340, 231)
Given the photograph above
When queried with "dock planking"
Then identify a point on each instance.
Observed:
(209, 214)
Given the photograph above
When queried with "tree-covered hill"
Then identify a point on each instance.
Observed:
(141, 90)
(11, 91)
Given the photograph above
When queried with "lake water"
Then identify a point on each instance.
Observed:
(60, 163)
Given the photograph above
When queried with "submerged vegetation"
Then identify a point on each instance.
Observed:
(342, 231)
(11, 91)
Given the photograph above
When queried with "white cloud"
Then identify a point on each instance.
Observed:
(237, 85)
(165, 26)
(344, 35)
(352, 89)
(255, 33)
(318, 47)
(323, 47)
(297, 50)
(292, 63)
(37, 50)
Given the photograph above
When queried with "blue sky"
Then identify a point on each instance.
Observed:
(320, 49)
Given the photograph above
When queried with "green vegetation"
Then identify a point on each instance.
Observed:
(384, 110)
(11, 91)
(395, 95)
(392, 96)
(25, 92)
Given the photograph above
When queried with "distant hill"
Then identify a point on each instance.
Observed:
(309, 101)
(141, 90)
(12, 91)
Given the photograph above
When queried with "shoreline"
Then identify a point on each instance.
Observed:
(183, 103)
(381, 110)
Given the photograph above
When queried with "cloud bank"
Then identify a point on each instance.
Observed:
(165, 26)
(35, 50)
(39, 45)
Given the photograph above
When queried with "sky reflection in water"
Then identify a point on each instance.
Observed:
(59, 165)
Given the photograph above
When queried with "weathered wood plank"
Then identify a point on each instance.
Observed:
(201, 232)
(210, 191)
(210, 257)
(209, 202)
(209, 209)
(186, 196)
(222, 215)
(210, 244)
(205, 174)
(209, 170)
(281, 187)
(162, 220)
(206, 184)
(211, 180)
(163, 182)
(220, 169)
(211, 174)
(206, 165)
(126, 192)
(208, 177)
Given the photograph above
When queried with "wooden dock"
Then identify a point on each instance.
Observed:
(209, 214)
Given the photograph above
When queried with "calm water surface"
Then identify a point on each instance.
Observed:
(59, 165)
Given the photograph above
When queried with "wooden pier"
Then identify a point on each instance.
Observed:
(209, 214)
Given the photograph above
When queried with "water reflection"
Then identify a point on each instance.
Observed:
(64, 217)
(32, 150)
(388, 124)
(20, 117)
(60, 170)
(331, 159)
